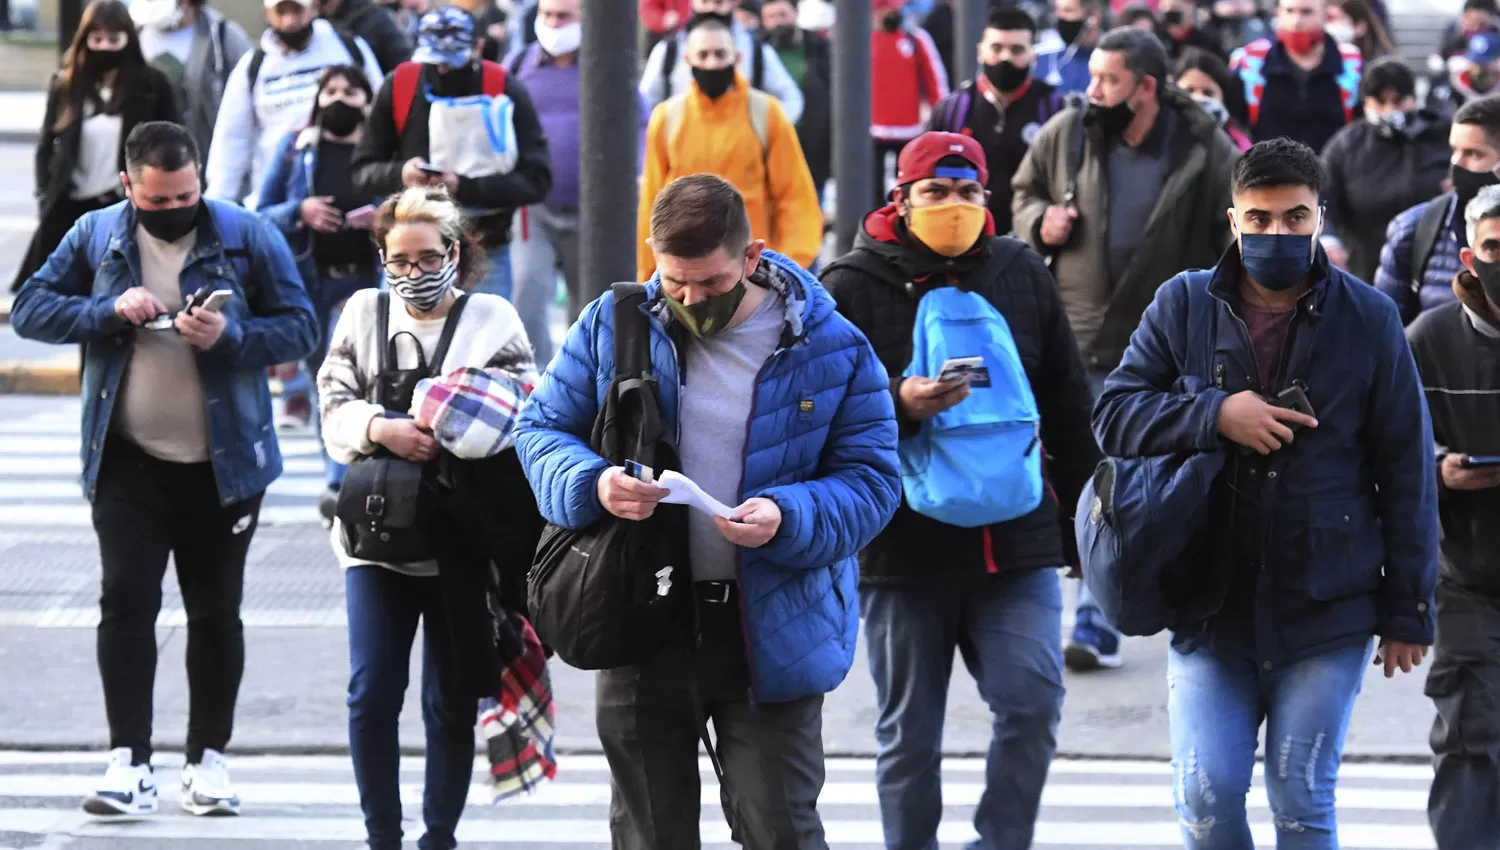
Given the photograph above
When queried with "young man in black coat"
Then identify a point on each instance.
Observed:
(928, 586)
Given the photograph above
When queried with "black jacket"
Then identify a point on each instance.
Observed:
(1309, 113)
(1460, 369)
(815, 129)
(381, 153)
(1411, 164)
(378, 28)
(878, 286)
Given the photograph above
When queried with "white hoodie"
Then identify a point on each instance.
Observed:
(250, 126)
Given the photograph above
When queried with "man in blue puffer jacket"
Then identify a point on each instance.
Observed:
(1323, 523)
(790, 419)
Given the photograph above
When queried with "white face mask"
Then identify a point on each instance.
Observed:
(1342, 33)
(560, 41)
(163, 15)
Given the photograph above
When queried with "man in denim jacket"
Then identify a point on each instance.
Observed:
(178, 446)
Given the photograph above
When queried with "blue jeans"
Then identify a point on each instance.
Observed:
(1217, 704)
(384, 607)
(1009, 631)
(497, 281)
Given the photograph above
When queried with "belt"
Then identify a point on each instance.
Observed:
(716, 592)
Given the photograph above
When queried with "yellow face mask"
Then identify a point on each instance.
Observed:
(948, 229)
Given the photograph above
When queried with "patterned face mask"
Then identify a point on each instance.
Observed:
(422, 290)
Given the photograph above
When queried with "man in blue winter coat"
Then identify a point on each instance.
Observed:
(1324, 520)
(790, 419)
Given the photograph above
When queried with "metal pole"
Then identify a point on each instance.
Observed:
(969, 17)
(853, 149)
(608, 145)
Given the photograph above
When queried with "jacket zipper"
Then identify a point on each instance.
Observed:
(739, 555)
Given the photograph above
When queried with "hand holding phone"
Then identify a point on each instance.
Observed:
(360, 219)
(1480, 461)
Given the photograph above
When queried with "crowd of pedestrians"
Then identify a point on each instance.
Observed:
(1241, 241)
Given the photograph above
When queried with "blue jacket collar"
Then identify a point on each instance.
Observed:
(1225, 282)
(806, 302)
(122, 238)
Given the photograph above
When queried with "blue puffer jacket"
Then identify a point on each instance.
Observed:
(821, 444)
(1394, 277)
(1351, 529)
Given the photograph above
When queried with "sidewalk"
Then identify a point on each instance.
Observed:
(292, 699)
(21, 115)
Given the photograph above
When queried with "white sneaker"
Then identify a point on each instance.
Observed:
(127, 789)
(206, 789)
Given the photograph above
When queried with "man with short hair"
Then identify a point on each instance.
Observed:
(1063, 52)
(407, 143)
(990, 591)
(1324, 516)
(668, 73)
(1305, 84)
(1151, 169)
(1455, 347)
(1003, 107)
(1422, 244)
(197, 47)
(789, 419)
(723, 126)
(271, 92)
(378, 27)
(178, 447)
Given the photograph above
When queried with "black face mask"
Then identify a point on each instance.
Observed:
(340, 119)
(168, 225)
(892, 21)
(1489, 280)
(1466, 184)
(104, 61)
(1173, 17)
(456, 82)
(1111, 120)
(782, 37)
(295, 39)
(714, 83)
(1005, 76)
(1070, 30)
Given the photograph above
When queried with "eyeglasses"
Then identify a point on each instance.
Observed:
(426, 263)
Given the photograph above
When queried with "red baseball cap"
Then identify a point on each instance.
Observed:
(919, 159)
(887, 5)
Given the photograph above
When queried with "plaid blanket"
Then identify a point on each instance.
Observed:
(470, 412)
(518, 721)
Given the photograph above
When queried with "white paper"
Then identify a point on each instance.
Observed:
(682, 490)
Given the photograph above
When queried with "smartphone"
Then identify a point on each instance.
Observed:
(162, 322)
(1294, 398)
(360, 219)
(959, 368)
(1479, 461)
(217, 299)
(639, 472)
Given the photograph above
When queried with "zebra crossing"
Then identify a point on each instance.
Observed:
(39, 469)
(311, 801)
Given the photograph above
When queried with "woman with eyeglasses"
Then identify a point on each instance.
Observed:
(366, 387)
(309, 195)
(103, 90)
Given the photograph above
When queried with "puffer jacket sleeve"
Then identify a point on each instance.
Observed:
(1393, 275)
(833, 517)
(1146, 410)
(552, 437)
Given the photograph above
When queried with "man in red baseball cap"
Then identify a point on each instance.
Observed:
(973, 332)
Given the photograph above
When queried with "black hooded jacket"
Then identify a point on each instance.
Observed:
(878, 286)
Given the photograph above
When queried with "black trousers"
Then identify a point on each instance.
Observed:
(144, 510)
(772, 753)
(1463, 806)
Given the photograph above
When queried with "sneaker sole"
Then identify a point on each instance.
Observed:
(1082, 658)
(218, 809)
(105, 807)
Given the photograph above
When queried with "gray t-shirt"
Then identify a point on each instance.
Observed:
(717, 396)
(1136, 175)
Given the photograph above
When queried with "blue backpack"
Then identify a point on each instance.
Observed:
(1140, 520)
(979, 462)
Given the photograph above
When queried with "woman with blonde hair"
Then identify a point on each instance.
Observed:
(389, 350)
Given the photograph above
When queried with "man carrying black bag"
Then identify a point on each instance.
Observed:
(790, 421)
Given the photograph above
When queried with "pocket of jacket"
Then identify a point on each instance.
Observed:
(1343, 559)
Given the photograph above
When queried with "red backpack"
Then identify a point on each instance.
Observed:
(409, 74)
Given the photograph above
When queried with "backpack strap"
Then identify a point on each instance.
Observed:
(220, 34)
(492, 78)
(450, 327)
(668, 65)
(382, 333)
(252, 72)
(1075, 159)
(404, 92)
(356, 56)
(632, 331)
(758, 63)
(520, 59)
(672, 116)
(760, 119)
(952, 117)
(1429, 229)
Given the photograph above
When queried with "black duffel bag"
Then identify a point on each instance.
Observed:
(615, 593)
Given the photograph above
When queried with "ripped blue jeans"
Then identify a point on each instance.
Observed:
(1217, 705)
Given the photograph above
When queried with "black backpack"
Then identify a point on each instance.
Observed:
(615, 593)
(1429, 231)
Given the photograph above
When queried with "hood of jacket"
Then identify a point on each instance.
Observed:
(884, 234)
(1195, 119)
(806, 304)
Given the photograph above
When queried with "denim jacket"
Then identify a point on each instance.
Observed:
(268, 321)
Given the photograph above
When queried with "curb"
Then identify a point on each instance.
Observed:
(45, 379)
(20, 137)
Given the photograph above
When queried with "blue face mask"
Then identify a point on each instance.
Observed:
(1276, 261)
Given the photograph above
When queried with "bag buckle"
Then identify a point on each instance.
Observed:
(375, 505)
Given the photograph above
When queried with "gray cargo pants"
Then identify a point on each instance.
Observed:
(1464, 803)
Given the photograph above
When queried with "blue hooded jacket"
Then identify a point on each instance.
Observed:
(821, 444)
